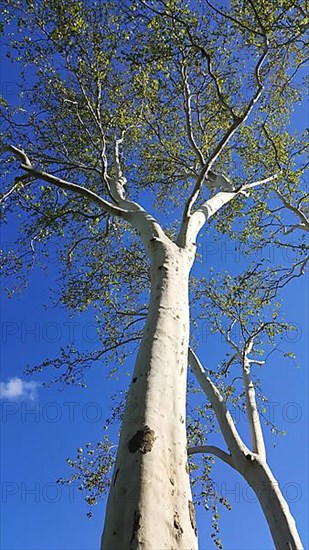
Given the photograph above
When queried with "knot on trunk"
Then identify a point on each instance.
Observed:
(178, 528)
(142, 441)
(192, 516)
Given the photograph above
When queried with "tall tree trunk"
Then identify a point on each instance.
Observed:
(275, 507)
(150, 504)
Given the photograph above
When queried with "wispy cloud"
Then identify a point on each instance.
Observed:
(16, 388)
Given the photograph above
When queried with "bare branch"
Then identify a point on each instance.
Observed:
(213, 450)
(257, 438)
(63, 184)
(289, 273)
(229, 431)
(116, 186)
(187, 106)
(20, 182)
(237, 122)
(80, 120)
(117, 155)
(146, 225)
(19, 153)
(216, 82)
(228, 16)
(256, 13)
(195, 222)
(258, 183)
(296, 210)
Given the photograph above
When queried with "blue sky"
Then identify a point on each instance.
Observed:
(41, 427)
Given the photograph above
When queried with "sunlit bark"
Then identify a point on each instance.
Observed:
(150, 503)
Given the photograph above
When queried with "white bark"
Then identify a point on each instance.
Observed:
(257, 438)
(304, 221)
(250, 465)
(229, 431)
(193, 223)
(213, 450)
(276, 510)
(150, 504)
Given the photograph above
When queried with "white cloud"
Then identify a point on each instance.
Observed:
(16, 388)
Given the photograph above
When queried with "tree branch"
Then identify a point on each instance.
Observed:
(187, 105)
(232, 438)
(213, 450)
(188, 233)
(297, 211)
(237, 122)
(257, 438)
(147, 226)
(117, 185)
(19, 153)
(228, 16)
(63, 184)
(20, 182)
(216, 82)
(257, 183)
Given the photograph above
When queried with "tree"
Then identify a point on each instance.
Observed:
(191, 105)
(241, 315)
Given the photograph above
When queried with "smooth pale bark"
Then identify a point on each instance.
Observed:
(249, 464)
(236, 446)
(275, 507)
(257, 438)
(150, 504)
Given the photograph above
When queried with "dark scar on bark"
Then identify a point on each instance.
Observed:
(136, 525)
(179, 529)
(116, 474)
(192, 516)
(142, 441)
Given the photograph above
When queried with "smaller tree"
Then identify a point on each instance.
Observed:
(241, 310)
